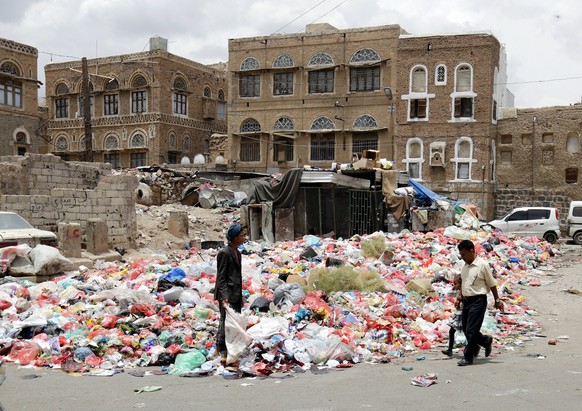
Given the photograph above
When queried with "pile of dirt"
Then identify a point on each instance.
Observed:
(153, 237)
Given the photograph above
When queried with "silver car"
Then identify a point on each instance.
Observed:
(15, 230)
(541, 222)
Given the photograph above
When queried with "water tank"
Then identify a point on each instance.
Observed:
(185, 160)
(199, 159)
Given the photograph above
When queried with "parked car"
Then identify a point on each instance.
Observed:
(541, 222)
(15, 230)
(574, 221)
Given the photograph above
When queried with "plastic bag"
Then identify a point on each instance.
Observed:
(47, 260)
(188, 361)
(237, 339)
(8, 254)
(289, 294)
(268, 327)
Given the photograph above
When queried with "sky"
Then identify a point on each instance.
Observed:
(542, 38)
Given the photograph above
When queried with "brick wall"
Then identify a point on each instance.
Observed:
(46, 191)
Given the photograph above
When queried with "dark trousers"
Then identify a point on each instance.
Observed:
(452, 332)
(220, 337)
(472, 319)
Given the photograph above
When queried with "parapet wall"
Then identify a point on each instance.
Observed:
(47, 190)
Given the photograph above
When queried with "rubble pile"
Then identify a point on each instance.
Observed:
(144, 312)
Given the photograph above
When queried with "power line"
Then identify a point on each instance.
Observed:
(541, 81)
(328, 12)
(59, 55)
(298, 17)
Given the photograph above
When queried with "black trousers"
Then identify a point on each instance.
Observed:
(220, 337)
(472, 319)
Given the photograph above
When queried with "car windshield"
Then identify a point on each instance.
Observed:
(13, 222)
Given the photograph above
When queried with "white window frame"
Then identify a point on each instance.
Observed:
(410, 160)
(463, 94)
(436, 75)
(417, 95)
(463, 160)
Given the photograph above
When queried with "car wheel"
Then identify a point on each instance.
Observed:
(550, 237)
(578, 238)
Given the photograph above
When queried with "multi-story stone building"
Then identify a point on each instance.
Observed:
(538, 158)
(146, 108)
(429, 103)
(20, 117)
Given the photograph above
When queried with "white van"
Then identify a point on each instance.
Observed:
(541, 222)
(574, 221)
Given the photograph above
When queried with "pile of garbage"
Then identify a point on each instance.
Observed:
(149, 312)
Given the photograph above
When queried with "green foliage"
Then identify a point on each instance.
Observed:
(373, 247)
(344, 278)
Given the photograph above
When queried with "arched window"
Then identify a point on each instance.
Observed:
(112, 85)
(206, 146)
(414, 157)
(172, 141)
(111, 142)
(137, 141)
(440, 77)
(364, 122)
(82, 144)
(463, 78)
(463, 95)
(221, 95)
(180, 98)
(62, 89)
(463, 158)
(186, 142)
(207, 92)
(365, 56)
(320, 59)
(62, 101)
(139, 81)
(9, 68)
(250, 63)
(323, 123)
(573, 142)
(21, 138)
(418, 79)
(283, 124)
(283, 61)
(61, 143)
(250, 125)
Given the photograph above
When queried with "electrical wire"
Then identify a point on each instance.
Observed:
(298, 17)
(328, 12)
(540, 81)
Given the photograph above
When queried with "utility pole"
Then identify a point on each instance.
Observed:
(87, 113)
(533, 141)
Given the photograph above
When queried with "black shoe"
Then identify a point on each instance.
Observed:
(464, 362)
(488, 347)
(477, 351)
(447, 352)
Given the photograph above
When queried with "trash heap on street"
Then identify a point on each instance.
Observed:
(161, 313)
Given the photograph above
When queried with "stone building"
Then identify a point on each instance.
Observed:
(429, 103)
(310, 98)
(20, 117)
(538, 158)
(146, 108)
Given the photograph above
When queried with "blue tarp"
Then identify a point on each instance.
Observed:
(424, 195)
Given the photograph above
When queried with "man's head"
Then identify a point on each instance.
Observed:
(235, 235)
(467, 251)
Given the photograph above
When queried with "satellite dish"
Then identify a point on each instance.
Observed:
(199, 159)
(185, 160)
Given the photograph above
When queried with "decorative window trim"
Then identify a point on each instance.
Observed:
(365, 122)
(111, 142)
(207, 93)
(61, 143)
(410, 79)
(457, 160)
(320, 60)
(283, 61)
(283, 124)
(134, 141)
(11, 68)
(419, 160)
(250, 63)
(436, 75)
(186, 142)
(139, 81)
(250, 125)
(172, 141)
(365, 56)
(220, 95)
(323, 123)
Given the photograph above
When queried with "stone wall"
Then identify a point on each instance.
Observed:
(47, 190)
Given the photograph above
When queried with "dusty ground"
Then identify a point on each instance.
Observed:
(152, 225)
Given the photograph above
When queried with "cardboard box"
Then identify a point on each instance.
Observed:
(364, 164)
(371, 154)
(420, 285)
(294, 278)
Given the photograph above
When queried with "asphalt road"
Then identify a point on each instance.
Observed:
(538, 376)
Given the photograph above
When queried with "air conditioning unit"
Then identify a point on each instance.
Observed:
(437, 154)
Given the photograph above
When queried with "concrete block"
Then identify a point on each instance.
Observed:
(69, 235)
(284, 224)
(178, 223)
(97, 236)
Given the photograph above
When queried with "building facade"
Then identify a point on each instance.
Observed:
(20, 116)
(429, 103)
(310, 98)
(146, 108)
(538, 158)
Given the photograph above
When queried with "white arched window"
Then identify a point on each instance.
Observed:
(462, 99)
(463, 158)
(418, 97)
(414, 158)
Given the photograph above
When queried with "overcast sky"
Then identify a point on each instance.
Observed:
(542, 38)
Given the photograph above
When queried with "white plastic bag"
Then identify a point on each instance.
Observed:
(8, 254)
(47, 260)
(236, 337)
(268, 327)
